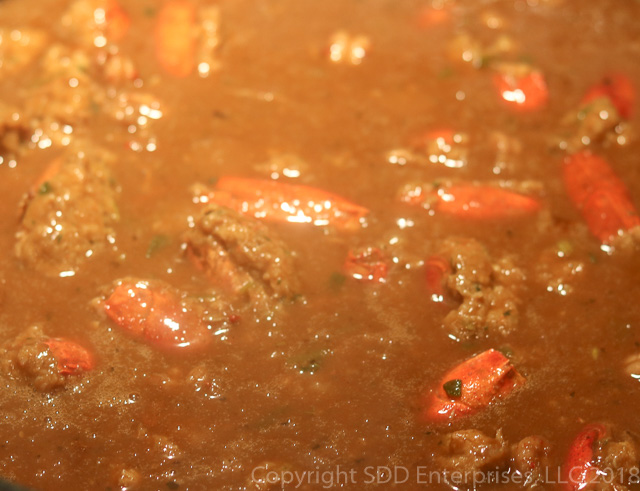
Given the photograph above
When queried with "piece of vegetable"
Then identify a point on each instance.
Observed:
(478, 381)
(600, 195)
(369, 264)
(527, 92)
(155, 313)
(175, 37)
(280, 202)
(620, 91)
(72, 358)
(579, 469)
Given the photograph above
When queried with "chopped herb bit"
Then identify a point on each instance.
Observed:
(565, 248)
(45, 188)
(446, 72)
(486, 61)
(336, 280)
(150, 11)
(507, 313)
(477, 287)
(157, 243)
(173, 485)
(453, 388)
(526, 58)
(308, 362)
(506, 351)
(593, 258)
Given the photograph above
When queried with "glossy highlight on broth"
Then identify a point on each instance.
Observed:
(374, 244)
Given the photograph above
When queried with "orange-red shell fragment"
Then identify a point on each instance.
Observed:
(483, 378)
(290, 203)
(72, 357)
(155, 314)
(525, 93)
(579, 469)
(600, 195)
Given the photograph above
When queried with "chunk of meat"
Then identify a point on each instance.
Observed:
(157, 314)
(594, 121)
(67, 94)
(557, 268)
(469, 451)
(70, 214)
(530, 457)
(242, 255)
(471, 386)
(486, 288)
(18, 48)
(14, 131)
(46, 362)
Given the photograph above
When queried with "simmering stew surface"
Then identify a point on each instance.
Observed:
(306, 245)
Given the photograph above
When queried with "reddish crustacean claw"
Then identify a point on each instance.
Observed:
(72, 358)
(471, 386)
(369, 264)
(476, 202)
(281, 202)
(618, 88)
(579, 469)
(175, 39)
(117, 21)
(436, 269)
(153, 312)
(527, 92)
(600, 195)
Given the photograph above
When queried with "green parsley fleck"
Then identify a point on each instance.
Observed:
(453, 388)
(45, 188)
